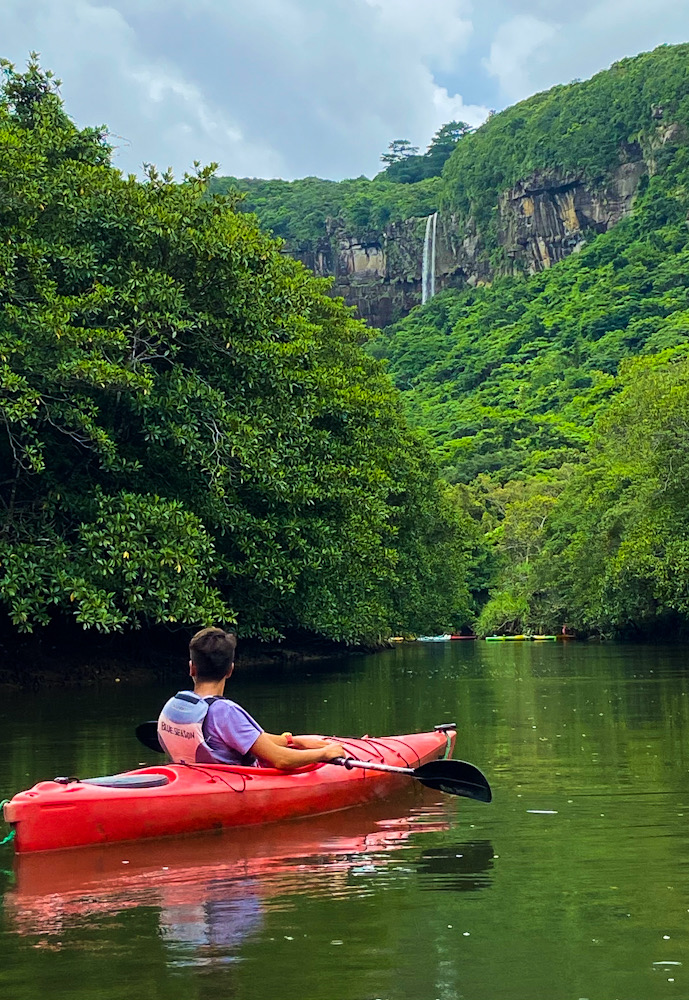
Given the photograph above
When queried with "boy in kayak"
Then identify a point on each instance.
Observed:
(204, 727)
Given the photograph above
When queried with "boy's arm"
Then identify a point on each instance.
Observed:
(298, 742)
(275, 751)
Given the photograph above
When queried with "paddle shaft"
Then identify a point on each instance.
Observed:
(350, 762)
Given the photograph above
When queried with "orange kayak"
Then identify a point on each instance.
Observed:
(176, 799)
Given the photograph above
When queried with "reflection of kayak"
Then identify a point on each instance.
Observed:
(174, 799)
(521, 638)
(243, 852)
(316, 856)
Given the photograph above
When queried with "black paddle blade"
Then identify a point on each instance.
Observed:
(147, 733)
(455, 777)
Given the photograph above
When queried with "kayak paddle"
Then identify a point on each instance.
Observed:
(454, 777)
(147, 733)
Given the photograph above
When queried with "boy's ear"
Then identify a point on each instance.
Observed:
(231, 668)
(192, 669)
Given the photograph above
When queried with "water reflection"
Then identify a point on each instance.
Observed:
(573, 883)
(457, 867)
(211, 892)
(213, 929)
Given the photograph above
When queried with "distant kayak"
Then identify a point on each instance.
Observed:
(434, 638)
(522, 638)
(507, 638)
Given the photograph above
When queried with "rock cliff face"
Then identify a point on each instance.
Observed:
(380, 272)
(547, 216)
(540, 221)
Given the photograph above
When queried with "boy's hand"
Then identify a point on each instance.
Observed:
(333, 750)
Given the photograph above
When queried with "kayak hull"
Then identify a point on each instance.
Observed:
(54, 816)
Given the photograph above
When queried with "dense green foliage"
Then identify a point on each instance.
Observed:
(617, 548)
(603, 546)
(508, 379)
(301, 212)
(405, 166)
(191, 430)
(568, 454)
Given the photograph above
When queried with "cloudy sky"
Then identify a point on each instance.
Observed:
(290, 88)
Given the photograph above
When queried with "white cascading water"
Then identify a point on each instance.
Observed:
(428, 264)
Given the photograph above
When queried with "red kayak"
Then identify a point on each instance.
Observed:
(174, 799)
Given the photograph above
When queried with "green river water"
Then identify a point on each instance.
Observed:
(572, 884)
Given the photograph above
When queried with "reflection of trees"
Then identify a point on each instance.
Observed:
(456, 867)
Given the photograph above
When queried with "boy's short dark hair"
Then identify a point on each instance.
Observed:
(212, 652)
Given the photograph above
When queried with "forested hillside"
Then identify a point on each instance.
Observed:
(300, 211)
(528, 188)
(191, 431)
(584, 128)
(509, 378)
(558, 403)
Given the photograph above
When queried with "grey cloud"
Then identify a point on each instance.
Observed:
(273, 87)
(297, 87)
(538, 44)
(330, 84)
(155, 111)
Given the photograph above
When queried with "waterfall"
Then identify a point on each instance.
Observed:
(432, 280)
(428, 265)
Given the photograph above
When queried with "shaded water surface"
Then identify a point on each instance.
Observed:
(573, 883)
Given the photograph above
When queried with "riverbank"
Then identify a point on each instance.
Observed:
(81, 659)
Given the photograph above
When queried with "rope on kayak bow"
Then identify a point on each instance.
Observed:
(378, 747)
(10, 835)
(217, 777)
